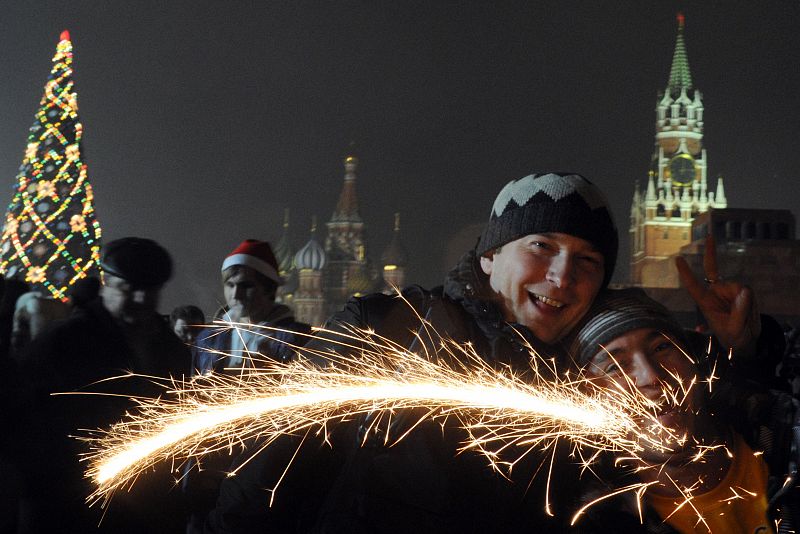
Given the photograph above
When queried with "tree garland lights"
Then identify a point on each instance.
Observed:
(51, 236)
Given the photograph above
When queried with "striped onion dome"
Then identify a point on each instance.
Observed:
(311, 255)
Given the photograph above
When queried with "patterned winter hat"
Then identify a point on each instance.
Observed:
(258, 256)
(553, 202)
(614, 313)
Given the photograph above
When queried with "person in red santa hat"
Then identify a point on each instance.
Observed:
(255, 329)
(250, 281)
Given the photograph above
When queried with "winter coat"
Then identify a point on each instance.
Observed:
(776, 435)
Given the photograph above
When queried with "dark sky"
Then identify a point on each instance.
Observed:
(203, 120)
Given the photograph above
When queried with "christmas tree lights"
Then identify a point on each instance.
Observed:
(51, 237)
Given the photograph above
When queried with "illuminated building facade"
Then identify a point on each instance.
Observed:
(677, 183)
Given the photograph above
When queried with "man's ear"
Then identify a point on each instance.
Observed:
(487, 264)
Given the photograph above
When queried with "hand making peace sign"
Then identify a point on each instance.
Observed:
(729, 307)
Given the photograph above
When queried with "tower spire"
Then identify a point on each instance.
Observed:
(720, 199)
(347, 206)
(679, 75)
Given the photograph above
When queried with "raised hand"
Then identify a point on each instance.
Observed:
(729, 307)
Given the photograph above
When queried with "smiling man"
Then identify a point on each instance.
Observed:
(545, 281)
(549, 247)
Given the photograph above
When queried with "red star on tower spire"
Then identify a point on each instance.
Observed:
(64, 35)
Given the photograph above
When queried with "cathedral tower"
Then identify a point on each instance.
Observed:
(677, 184)
(344, 245)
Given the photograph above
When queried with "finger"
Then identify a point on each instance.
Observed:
(710, 258)
(689, 280)
(755, 315)
(741, 312)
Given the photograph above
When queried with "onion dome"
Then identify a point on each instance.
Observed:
(395, 254)
(359, 282)
(283, 248)
(312, 255)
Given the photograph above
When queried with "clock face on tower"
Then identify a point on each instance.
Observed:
(682, 170)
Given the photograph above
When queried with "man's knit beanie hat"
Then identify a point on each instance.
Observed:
(616, 312)
(554, 202)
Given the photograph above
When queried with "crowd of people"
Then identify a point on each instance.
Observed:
(537, 280)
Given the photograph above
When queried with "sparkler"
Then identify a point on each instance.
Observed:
(505, 417)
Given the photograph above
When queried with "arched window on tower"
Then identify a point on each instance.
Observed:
(661, 211)
(676, 212)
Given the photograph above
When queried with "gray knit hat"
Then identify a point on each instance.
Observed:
(616, 312)
(554, 202)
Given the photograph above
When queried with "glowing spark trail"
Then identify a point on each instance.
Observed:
(500, 412)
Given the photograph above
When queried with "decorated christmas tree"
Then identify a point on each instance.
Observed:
(51, 237)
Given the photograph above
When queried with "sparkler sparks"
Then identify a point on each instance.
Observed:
(504, 416)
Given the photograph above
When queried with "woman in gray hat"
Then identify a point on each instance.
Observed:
(630, 341)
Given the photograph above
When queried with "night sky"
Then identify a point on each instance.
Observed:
(203, 121)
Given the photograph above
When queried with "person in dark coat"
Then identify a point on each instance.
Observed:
(549, 247)
(257, 329)
(250, 280)
(118, 333)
